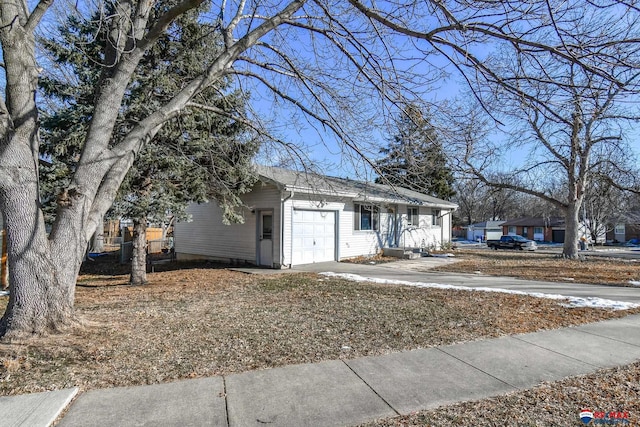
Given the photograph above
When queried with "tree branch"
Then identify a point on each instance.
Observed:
(37, 14)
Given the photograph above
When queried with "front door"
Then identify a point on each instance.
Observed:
(265, 237)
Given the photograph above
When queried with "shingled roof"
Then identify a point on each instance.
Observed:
(312, 183)
(535, 222)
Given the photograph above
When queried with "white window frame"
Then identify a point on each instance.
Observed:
(413, 216)
(435, 219)
(620, 229)
(512, 230)
(361, 211)
(538, 230)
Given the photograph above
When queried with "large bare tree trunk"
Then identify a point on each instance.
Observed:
(44, 300)
(139, 257)
(44, 268)
(572, 220)
(41, 284)
(4, 272)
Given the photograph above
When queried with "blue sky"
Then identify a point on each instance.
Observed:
(322, 147)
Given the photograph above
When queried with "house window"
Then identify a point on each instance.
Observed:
(512, 230)
(436, 217)
(537, 230)
(366, 217)
(619, 229)
(412, 216)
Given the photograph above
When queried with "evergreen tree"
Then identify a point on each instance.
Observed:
(415, 158)
(200, 154)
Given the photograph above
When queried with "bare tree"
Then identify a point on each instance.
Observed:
(469, 197)
(567, 120)
(340, 66)
(480, 202)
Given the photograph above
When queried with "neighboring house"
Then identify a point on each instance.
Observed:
(299, 218)
(585, 229)
(623, 232)
(484, 231)
(550, 229)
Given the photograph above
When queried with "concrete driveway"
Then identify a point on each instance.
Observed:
(419, 270)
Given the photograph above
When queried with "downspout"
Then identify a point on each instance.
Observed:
(282, 202)
(442, 228)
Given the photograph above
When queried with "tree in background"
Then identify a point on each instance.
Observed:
(479, 202)
(469, 197)
(570, 123)
(198, 155)
(415, 158)
(191, 160)
(604, 204)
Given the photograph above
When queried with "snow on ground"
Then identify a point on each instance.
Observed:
(447, 255)
(634, 283)
(572, 302)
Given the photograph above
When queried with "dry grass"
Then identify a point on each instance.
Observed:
(551, 404)
(546, 266)
(208, 321)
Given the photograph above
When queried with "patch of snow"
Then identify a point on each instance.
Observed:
(442, 255)
(634, 282)
(4, 293)
(465, 242)
(571, 302)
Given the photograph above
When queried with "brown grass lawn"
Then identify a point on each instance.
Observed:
(546, 266)
(205, 320)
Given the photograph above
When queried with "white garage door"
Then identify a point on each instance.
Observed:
(314, 236)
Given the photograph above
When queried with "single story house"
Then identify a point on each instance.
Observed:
(483, 231)
(624, 231)
(295, 218)
(550, 229)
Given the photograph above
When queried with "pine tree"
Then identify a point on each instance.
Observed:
(415, 158)
(198, 155)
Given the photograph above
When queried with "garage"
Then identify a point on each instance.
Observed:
(557, 236)
(314, 236)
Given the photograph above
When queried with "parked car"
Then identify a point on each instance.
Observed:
(633, 242)
(512, 242)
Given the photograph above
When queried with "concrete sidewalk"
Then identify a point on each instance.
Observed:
(346, 392)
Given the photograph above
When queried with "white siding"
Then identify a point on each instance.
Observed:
(425, 234)
(207, 237)
(355, 243)
(494, 233)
